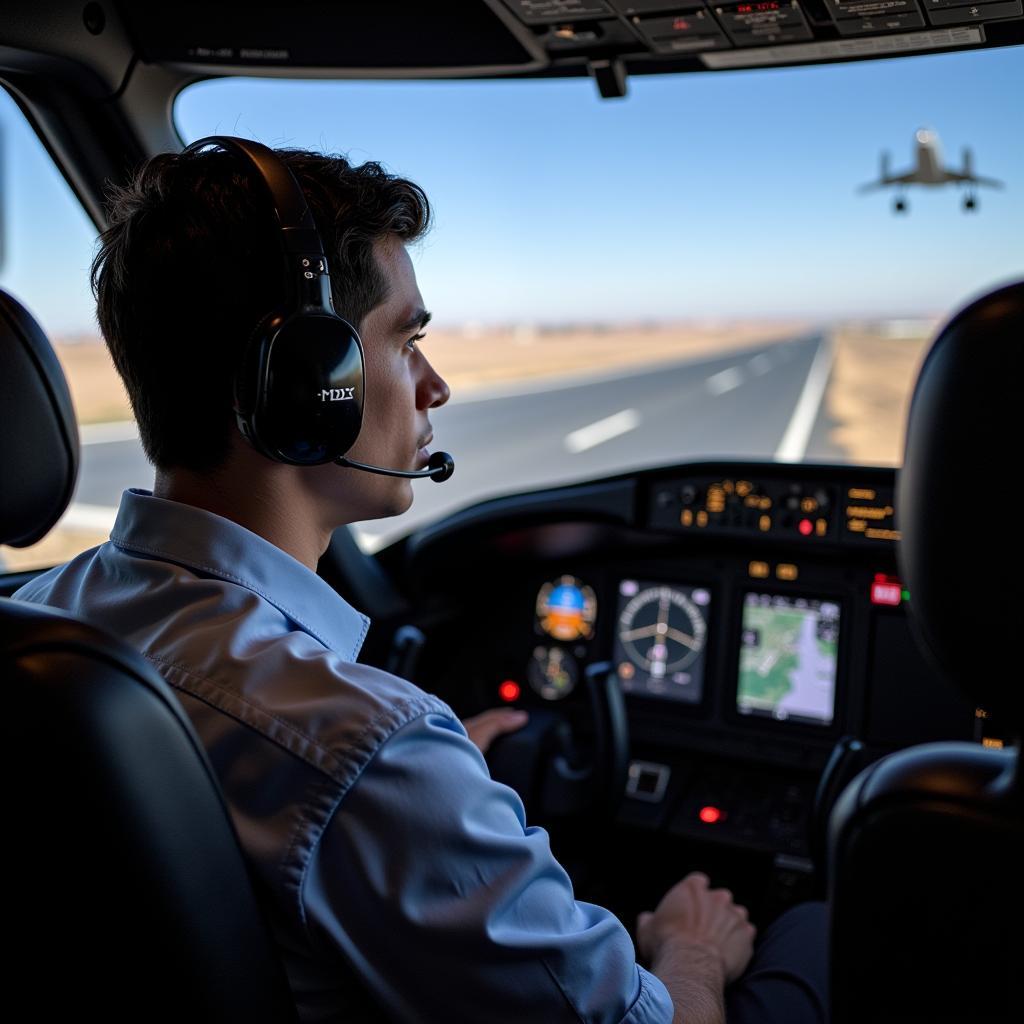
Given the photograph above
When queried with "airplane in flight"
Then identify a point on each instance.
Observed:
(930, 172)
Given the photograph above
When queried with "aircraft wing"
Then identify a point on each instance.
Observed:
(966, 176)
(971, 179)
(889, 179)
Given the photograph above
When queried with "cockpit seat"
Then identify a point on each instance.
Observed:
(127, 895)
(926, 846)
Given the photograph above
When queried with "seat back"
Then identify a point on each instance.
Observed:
(926, 846)
(927, 889)
(127, 892)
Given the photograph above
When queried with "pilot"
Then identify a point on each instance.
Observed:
(400, 881)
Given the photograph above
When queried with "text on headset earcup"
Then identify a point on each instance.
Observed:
(309, 390)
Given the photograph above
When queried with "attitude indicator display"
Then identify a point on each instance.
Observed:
(660, 638)
(566, 609)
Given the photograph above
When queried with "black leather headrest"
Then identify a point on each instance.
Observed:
(38, 433)
(962, 534)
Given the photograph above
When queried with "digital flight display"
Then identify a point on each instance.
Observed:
(788, 658)
(566, 609)
(660, 637)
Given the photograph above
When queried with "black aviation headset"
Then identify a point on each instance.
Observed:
(299, 388)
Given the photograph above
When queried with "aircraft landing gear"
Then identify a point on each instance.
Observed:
(899, 205)
(970, 202)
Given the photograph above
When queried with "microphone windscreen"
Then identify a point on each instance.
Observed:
(441, 465)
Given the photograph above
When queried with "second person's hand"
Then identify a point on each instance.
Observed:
(692, 913)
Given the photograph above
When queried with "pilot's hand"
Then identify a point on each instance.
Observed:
(691, 913)
(486, 727)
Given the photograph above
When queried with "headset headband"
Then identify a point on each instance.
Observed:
(298, 230)
(306, 274)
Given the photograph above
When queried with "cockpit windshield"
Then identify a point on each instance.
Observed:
(691, 271)
(716, 265)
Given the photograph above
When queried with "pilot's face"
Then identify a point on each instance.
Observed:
(401, 388)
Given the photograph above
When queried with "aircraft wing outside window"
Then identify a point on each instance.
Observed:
(891, 179)
(972, 179)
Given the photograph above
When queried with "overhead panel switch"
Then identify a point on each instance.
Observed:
(542, 12)
(687, 31)
(763, 22)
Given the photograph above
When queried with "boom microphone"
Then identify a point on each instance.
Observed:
(439, 468)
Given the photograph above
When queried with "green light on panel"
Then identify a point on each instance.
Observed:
(905, 594)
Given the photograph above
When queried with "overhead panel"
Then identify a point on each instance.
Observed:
(358, 34)
(866, 17)
(871, 17)
(543, 12)
(963, 12)
(631, 7)
(763, 22)
(683, 27)
(689, 30)
(440, 38)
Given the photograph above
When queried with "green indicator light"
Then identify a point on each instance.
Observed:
(906, 595)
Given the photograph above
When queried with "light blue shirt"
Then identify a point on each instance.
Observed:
(399, 878)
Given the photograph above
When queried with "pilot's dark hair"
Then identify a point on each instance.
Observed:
(190, 263)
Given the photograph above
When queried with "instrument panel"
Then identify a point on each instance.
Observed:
(744, 648)
(783, 644)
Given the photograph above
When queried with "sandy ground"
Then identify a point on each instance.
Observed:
(59, 545)
(476, 358)
(95, 386)
(869, 392)
(866, 401)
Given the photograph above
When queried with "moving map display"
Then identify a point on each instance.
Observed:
(788, 658)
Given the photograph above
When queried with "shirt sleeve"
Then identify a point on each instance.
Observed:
(452, 909)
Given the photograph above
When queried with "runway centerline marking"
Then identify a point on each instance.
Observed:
(603, 430)
(760, 364)
(726, 380)
(793, 445)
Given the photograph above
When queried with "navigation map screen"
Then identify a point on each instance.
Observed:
(659, 639)
(788, 658)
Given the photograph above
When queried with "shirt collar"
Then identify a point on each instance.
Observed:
(214, 546)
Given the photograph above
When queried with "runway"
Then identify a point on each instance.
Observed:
(765, 402)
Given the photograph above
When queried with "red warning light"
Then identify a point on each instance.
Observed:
(709, 815)
(509, 691)
(887, 590)
(806, 527)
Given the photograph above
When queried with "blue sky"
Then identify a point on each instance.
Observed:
(710, 195)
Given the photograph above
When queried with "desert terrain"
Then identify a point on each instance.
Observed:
(864, 405)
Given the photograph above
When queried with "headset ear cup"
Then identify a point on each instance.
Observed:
(350, 374)
(249, 384)
(306, 372)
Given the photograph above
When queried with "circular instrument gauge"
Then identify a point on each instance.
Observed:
(566, 609)
(552, 672)
(662, 631)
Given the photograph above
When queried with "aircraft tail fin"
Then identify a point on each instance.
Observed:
(883, 175)
(967, 173)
